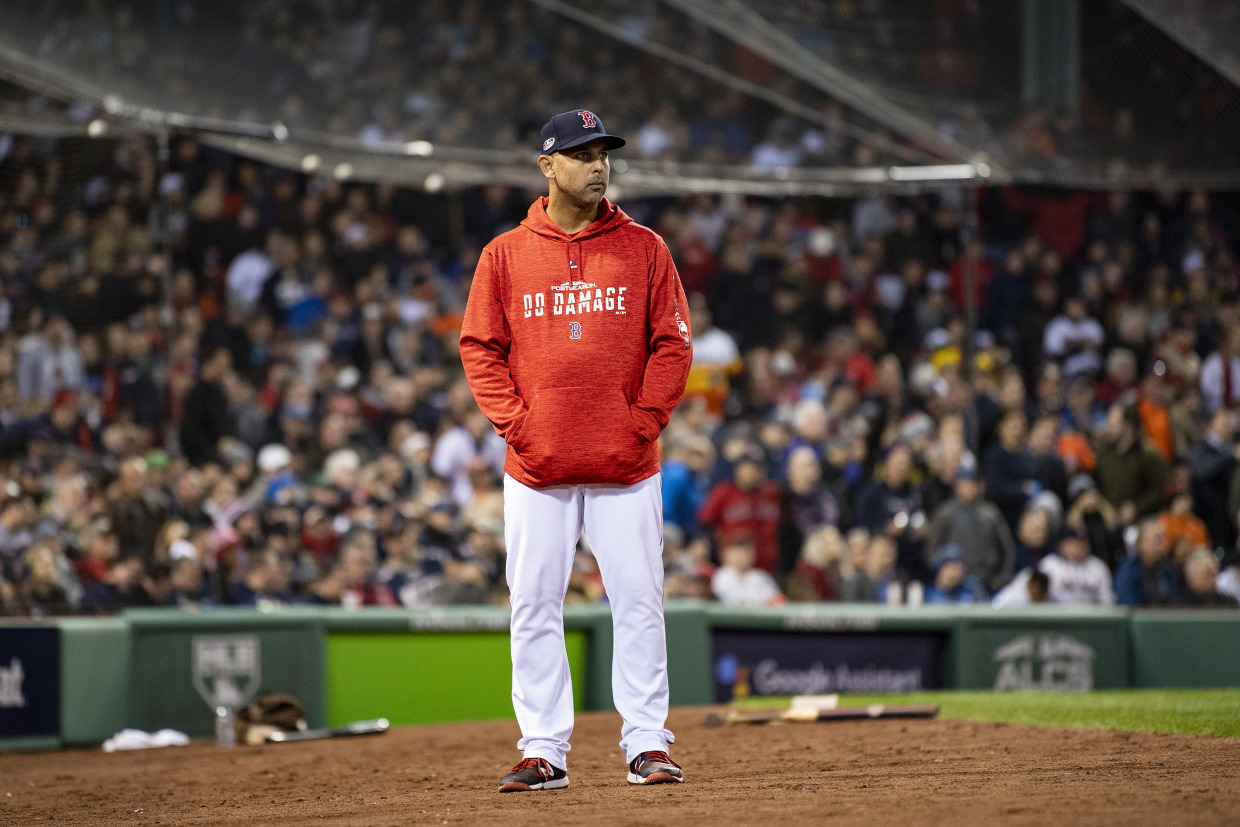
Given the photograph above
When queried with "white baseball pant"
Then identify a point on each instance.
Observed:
(624, 526)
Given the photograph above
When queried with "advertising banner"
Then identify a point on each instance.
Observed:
(29, 681)
(761, 663)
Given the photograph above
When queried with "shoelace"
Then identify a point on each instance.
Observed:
(658, 757)
(540, 764)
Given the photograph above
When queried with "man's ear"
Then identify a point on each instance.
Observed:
(547, 165)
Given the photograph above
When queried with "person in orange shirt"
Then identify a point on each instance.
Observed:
(1185, 530)
(1074, 449)
(1155, 417)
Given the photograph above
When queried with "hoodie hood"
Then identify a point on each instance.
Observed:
(610, 217)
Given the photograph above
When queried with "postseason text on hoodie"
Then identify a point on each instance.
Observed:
(577, 347)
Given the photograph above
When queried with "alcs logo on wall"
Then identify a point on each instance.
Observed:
(1045, 662)
(227, 668)
(11, 678)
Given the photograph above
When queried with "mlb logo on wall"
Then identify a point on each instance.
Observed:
(227, 668)
(11, 679)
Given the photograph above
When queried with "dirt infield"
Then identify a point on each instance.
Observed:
(871, 772)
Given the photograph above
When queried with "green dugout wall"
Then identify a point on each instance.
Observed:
(81, 680)
(1185, 648)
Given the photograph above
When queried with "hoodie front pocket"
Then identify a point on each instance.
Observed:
(579, 433)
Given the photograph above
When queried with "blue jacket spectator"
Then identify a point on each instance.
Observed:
(686, 482)
(1148, 578)
(951, 583)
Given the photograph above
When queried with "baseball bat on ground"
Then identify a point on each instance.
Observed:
(764, 716)
(375, 727)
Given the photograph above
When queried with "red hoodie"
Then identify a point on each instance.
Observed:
(577, 347)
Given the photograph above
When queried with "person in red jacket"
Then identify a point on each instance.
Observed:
(746, 506)
(576, 345)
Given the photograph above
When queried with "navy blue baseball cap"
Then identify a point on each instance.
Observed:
(569, 129)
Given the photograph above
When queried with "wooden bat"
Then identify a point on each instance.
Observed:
(765, 716)
(375, 727)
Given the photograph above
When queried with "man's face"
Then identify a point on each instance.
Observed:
(738, 556)
(217, 366)
(189, 487)
(477, 425)
(880, 557)
(124, 575)
(133, 478)
(749, 474)
(55, 332)
(104, 547)
(968, 489)
(580, 174)
(895, 472)
(63, 417)
(1223, 425)
(1202, 577)
(1033, 528)
(1042, 437)
(1153, 542)
(1074, 549)
(357, 566)
(1012, 431)
(13, 514)
(803, 470)
(950, 575)
(699, 459)
(187, 576)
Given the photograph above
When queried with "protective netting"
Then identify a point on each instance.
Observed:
(762, 95)
(1142, 106)
(470, 74)
(373, 90)
(1209, 29)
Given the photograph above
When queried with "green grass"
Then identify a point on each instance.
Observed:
(1184, 711)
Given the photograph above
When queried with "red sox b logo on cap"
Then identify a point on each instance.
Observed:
(564, 131)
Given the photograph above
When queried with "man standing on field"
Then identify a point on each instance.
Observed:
(576, 344)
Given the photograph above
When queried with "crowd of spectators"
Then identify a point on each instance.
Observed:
(224, 383)
(479, 74)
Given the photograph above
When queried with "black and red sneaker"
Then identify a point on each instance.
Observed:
(533, 774)
(654, 768)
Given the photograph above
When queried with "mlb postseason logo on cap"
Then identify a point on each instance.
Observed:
(547, 144)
